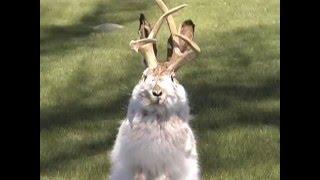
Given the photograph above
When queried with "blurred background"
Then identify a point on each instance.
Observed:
(87, 72)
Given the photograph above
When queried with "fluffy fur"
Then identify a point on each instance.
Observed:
(155, 141)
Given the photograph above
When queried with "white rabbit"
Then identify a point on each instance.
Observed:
(155, 141)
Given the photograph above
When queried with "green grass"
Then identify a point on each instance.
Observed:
(233, 87)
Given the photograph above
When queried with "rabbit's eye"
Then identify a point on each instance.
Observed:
(144, 77)
(172, 78)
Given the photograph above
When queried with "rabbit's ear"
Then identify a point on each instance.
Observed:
(144, 31)
(184, 49)
(186, 29)
(144, 27)
(169, 47)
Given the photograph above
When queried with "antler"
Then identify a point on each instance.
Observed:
(145, 46)
(144, 31)
(180, 52)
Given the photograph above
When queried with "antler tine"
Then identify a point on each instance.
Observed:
(171, 24)
(187, 56)
(170, 20)
(144, 46)
(191, 43)
(181, 60)
(158, 24)
(179, 53)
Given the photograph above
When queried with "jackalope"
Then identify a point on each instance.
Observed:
(155, 141)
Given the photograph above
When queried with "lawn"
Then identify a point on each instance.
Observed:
(86, 78)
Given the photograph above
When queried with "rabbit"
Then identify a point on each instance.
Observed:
(155, 141)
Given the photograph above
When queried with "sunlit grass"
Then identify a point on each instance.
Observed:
(233, 87)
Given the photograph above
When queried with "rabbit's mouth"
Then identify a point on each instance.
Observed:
(157, 100)
(150, 100)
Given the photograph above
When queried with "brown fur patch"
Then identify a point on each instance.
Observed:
(161, 69)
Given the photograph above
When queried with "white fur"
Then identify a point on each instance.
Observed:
(155, 141)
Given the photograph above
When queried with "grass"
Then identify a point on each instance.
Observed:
(234, 86)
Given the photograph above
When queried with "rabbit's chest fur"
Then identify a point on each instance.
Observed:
(153, 145)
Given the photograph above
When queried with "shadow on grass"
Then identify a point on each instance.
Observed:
(120, 12)
(79, 151)
(242, 46)
(72, 100)
(238, 49)
(234, 100)
(210, 88)
(207, 96)
(72, 108)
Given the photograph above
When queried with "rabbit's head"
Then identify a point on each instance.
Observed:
(158, 91)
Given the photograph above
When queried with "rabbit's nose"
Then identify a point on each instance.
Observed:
(156, 91)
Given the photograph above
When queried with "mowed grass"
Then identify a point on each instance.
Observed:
(233, 87)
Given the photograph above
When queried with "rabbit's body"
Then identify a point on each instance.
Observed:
(156, 149)
(155, 141)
